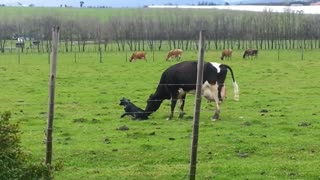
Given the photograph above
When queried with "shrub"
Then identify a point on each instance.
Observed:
(14, 163)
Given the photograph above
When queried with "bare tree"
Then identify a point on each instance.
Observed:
(68, 33)
(81, 3)
(46, 23)
(106, 35)
(86, 32)
(6, 30)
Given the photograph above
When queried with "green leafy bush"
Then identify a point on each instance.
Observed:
(14, 163)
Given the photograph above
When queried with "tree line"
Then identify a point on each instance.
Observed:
(163, 29)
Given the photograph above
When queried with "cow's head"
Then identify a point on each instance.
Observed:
(153, 104)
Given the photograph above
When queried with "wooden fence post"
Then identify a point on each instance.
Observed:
(19, 52)
(75, 56)
(126, 55)
(100, 54)
(52, 80)
(196, 116)
(302, 50)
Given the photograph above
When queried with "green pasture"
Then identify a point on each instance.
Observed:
(100, 13)
(273, 132)
(37, 12)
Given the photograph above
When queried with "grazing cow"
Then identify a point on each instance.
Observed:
(181, 78)
(138, 55)
(226, 53)
(250, 52)
(176, 53)
(132, 110)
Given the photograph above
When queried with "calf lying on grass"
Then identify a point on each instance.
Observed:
(132, 110)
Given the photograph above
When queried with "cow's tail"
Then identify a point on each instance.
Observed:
(236, 92)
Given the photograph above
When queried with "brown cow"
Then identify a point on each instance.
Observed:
(138, 55)
(176, 53)
(226, 53)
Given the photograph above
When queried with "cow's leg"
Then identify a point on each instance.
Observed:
(218, 102)
(223, 92)
(220, 92)
(174, 98)
(173, 105)
(211, 93)
(217, 111)
(215, 97)
(182, 100)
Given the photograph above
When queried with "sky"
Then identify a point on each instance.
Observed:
(111, 3)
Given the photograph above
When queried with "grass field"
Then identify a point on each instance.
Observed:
(273, 132)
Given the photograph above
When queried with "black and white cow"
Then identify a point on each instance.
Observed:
(181, 78)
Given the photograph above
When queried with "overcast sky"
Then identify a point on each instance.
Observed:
(112, 3)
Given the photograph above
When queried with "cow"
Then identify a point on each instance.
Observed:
(132, 110)
(176, 53)
(180, 79)
(226, 53)
(250, 52)
(138, 55)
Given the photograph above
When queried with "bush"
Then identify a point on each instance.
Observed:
(14, 163)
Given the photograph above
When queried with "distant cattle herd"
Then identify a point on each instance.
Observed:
(177, 54)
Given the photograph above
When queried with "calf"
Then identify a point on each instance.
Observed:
(176, 53)
(138, 55)
(132, 110)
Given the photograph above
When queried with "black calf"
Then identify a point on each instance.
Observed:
(132, 110)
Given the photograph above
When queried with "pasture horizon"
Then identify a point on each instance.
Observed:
(252, 8)
(142, 3)
(271, 133)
